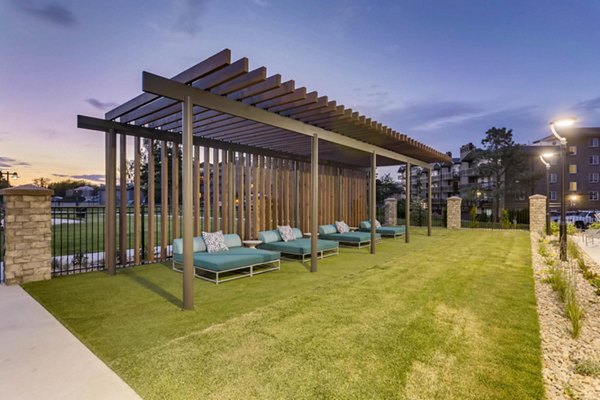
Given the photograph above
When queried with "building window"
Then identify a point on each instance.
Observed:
(594, 142)
(594, 196)
(594, 177)
(572, 186)
(572, 168)
(572, 150)
(595, 159)
(553, 177)
(552, 196)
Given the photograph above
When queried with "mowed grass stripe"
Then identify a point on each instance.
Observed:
(451, 316)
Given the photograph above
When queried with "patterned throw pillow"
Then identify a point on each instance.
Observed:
(342, 227)
(377, 224)
(215, 241)
(286, 233)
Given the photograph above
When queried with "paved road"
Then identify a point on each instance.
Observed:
(41, 359)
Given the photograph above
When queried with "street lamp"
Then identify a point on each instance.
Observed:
(547, 164)
(9, 175)
(563, 155)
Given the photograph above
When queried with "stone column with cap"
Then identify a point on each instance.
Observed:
(391, 211)
(27, 234)
(453, 212)
(537, 214)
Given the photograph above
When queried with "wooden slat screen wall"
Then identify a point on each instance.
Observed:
(245, 193)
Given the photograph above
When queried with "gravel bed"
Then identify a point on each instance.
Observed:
(560, 352)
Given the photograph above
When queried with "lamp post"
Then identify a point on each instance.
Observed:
(9, 175)
(563, 156)
(547, 164)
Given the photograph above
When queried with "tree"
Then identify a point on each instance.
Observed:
(41, 182)
(60, 188)
(3, 182)
(385, 187)
(503, 163)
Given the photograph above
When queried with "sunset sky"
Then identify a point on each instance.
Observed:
(442, 72)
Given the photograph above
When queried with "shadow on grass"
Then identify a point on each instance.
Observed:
(153, 287)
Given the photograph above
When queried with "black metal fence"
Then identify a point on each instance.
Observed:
(508, 219)
(78, 238)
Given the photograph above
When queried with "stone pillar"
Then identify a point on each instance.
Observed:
(453, 212)
(537, 214)
(28, 233)
(391, 212)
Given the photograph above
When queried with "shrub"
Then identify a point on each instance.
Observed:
(573, 309)
(587, 367)
(505, 219)
(543, 250)
(595, 225)
(473, 215)
(555, 227)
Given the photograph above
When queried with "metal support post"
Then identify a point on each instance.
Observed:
(314, 201)
(429, 203)
(407, 208)
(110, 222)
(372, 200)
(188, 222)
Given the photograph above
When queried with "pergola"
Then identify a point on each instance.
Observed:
(277, 151)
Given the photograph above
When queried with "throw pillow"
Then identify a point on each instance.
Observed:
(215, 241)
(342, 227)
(286, 233)
(377, 224)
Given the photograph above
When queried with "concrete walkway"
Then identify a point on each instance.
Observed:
(591, 247)
(41, 359)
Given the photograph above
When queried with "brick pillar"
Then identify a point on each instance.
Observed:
(391, 212)
(537, 214)
(453, 212)
(28, 231)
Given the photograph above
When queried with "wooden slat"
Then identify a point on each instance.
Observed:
(164, 199)
(255, 200)
(241, 194)
(225, 192)
(206, 195)
(150, 197)
(216, 191)
(137, 200)
(268, 199)
(196, 190)
(241, 82)
(123, 215)
(263, 224)
(213, 63)
(248, 196)
(175, 191)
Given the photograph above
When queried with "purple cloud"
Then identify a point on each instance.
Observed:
(50, 12)
(101, 105)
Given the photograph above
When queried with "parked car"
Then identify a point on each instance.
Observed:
(581, 219)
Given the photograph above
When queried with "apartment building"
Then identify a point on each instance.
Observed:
(582, 168)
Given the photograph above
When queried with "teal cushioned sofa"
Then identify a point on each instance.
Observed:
(360, 239)
(392, 231)
(300, 247)
(237, 262)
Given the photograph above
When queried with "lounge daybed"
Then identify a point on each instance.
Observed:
(222, 266)
(392, 231)
(360, 239)
(300, 247)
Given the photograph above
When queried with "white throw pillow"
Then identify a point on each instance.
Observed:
(342, 227)
(215, 241)
(286, 233)
(377, 224)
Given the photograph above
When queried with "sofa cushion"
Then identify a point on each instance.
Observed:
(297, 233)
(286, 233)
(327, 229)
(198, 245)
(299, 246)
(269, 236)
(214, 241)
(232, 240)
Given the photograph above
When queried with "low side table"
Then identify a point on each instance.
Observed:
(251, 243)
(353, 228)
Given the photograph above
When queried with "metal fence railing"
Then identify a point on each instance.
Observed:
(509, 219)
(78, 238)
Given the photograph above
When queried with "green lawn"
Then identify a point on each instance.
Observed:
(445, 317)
